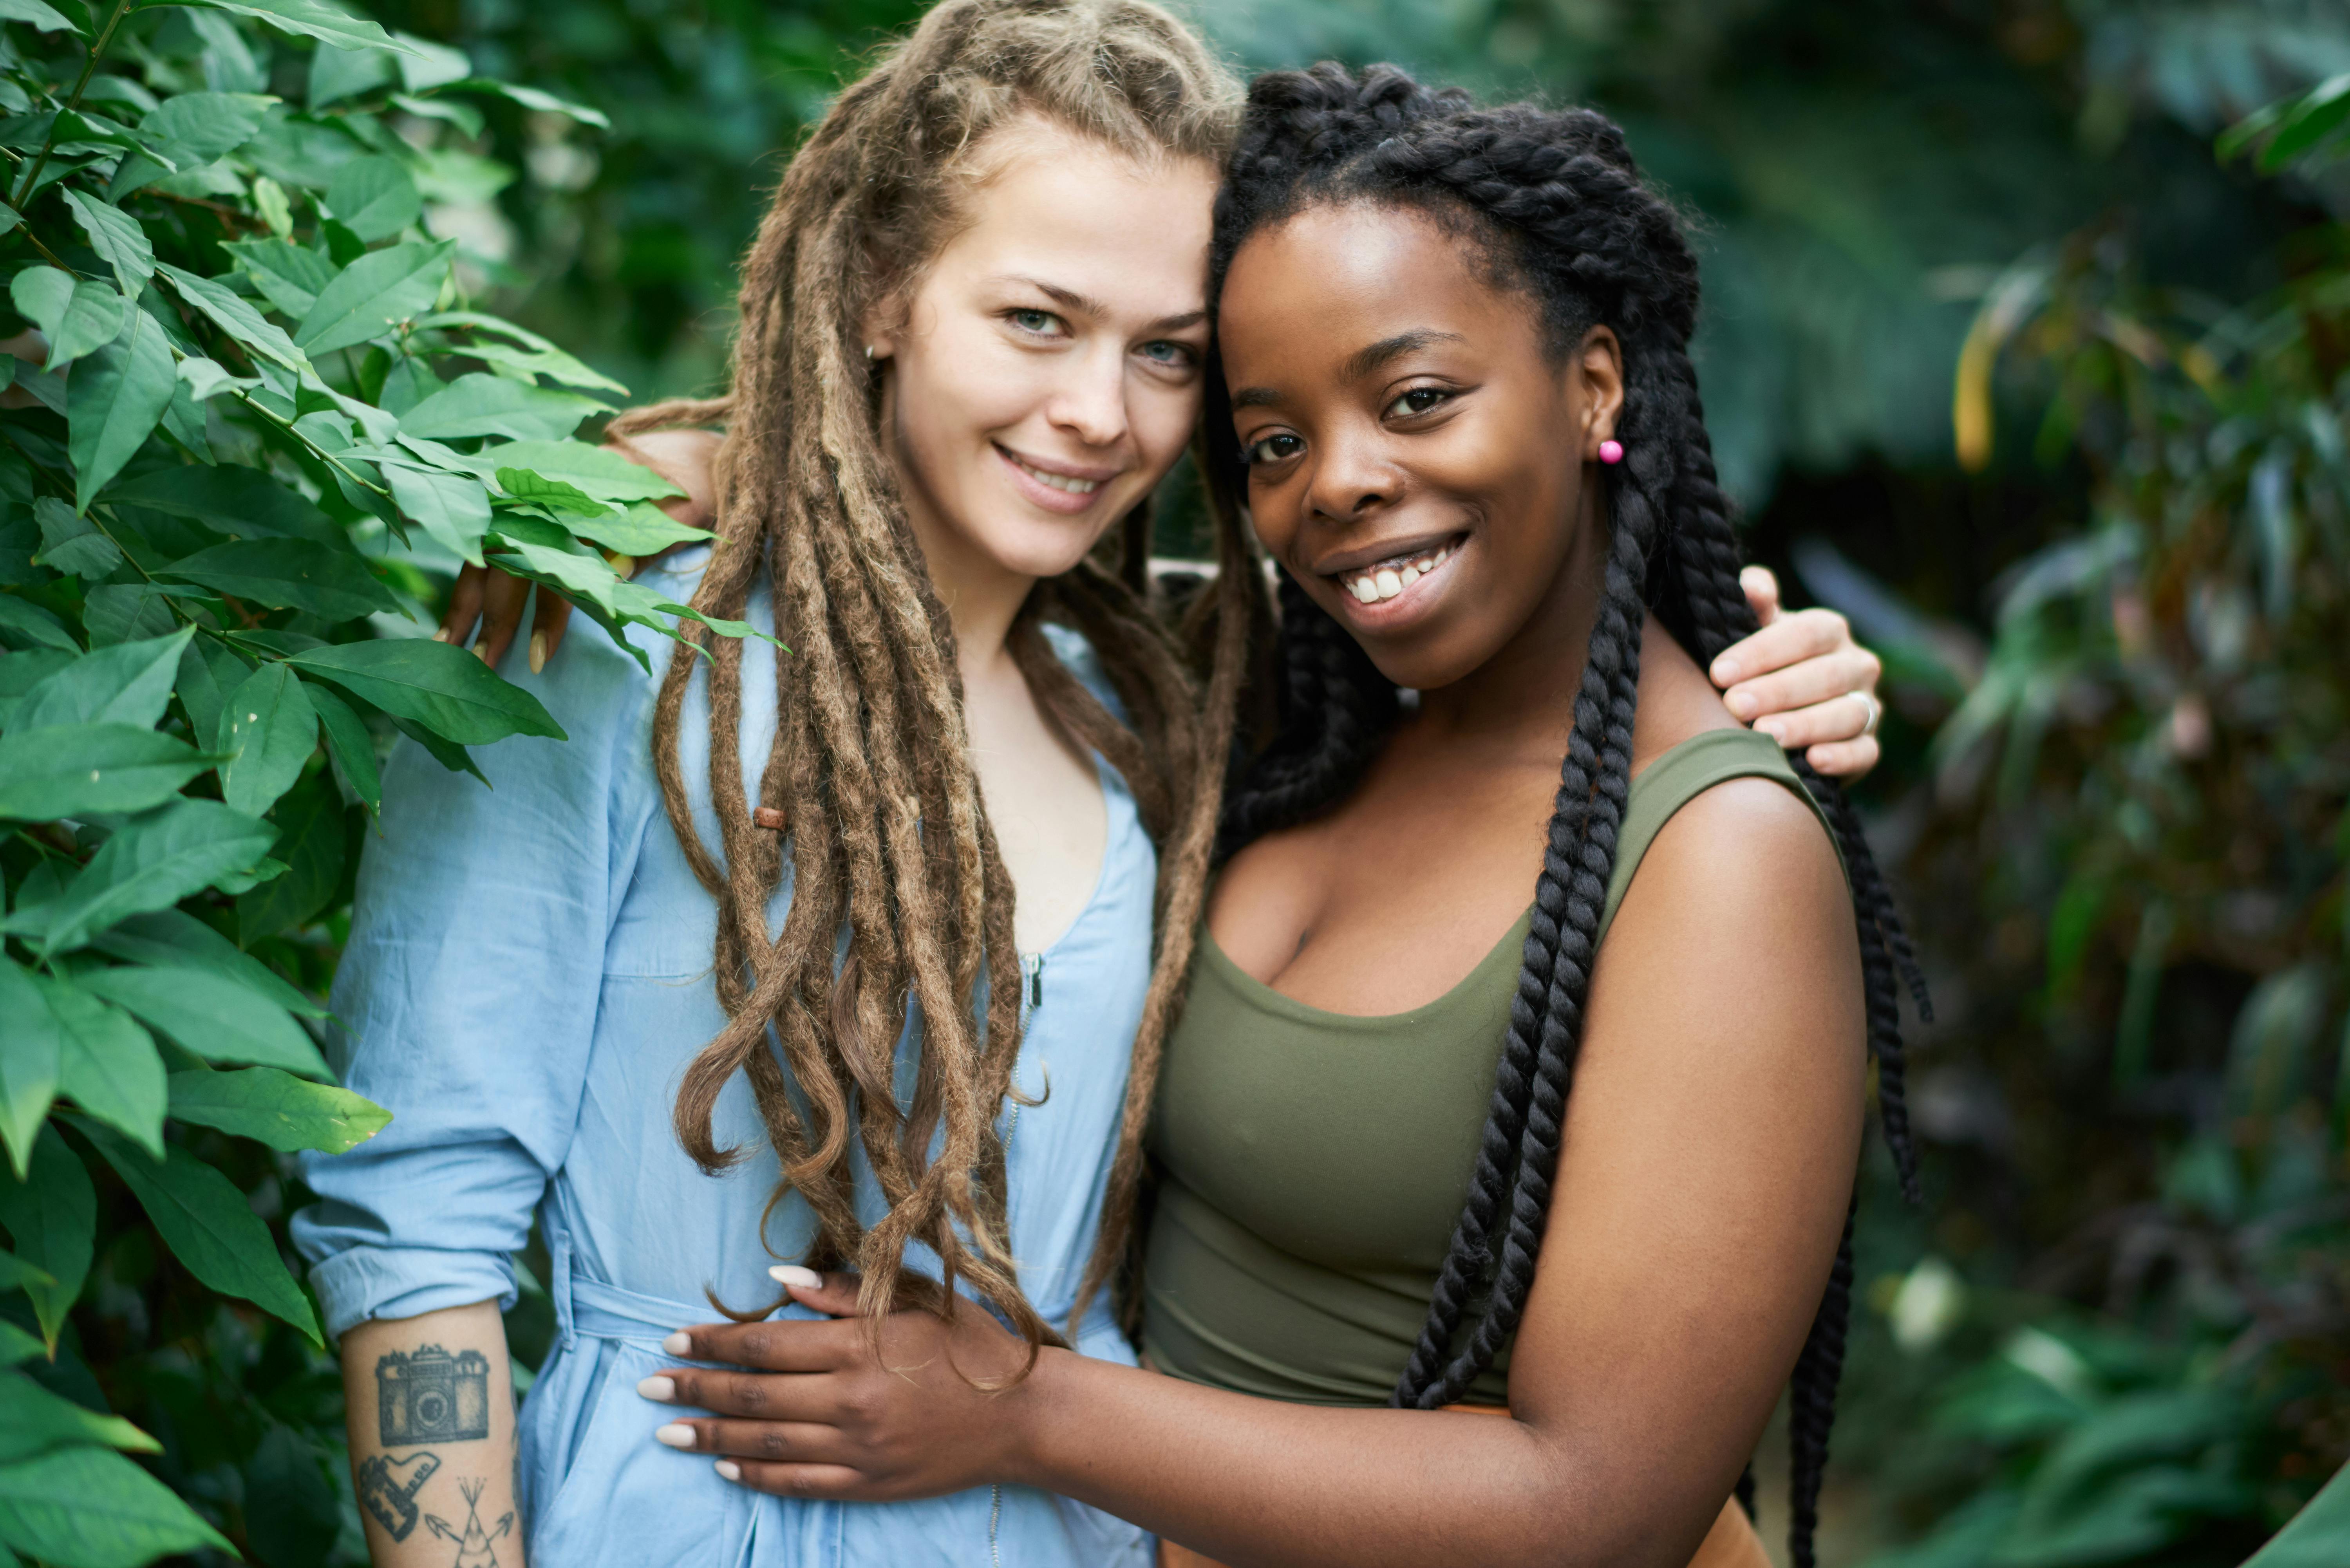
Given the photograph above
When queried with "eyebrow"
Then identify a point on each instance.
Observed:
(1361, 363)
(1070, 300)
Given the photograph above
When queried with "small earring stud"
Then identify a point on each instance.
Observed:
(868, 351)
(1611, 452)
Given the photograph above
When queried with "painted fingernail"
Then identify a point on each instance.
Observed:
(1766, 726)
(679, 1344)
(793, 1274)
(1742, 703)
(1726, 671)
(537, 652)
(441, 635)
(729, 1470)
(482, 652)
(677, 1435)
(624, 566)
(660, 1390)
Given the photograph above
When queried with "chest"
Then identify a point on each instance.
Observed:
(1044, 802)
(1386, 901)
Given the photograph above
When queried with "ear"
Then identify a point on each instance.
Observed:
(1597, 365)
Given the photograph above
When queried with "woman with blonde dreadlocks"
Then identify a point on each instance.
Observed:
(972, 343)
(992, 248)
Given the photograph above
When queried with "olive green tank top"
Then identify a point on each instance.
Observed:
(1312, 1164)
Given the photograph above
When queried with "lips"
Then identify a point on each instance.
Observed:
(1390, 578)
(1054, 487)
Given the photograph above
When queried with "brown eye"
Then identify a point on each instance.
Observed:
(1272, 449)
(1419, 400)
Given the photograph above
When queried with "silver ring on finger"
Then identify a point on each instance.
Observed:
(1875, 710)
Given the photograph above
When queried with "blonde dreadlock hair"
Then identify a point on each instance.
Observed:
(871, 766)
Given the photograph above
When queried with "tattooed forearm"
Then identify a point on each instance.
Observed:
(428, 1396)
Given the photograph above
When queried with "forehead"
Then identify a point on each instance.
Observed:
(1047, 202)
(1309, 292)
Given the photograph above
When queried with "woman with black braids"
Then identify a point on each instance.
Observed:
(1598, 1188)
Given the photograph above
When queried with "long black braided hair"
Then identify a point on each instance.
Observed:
(1556, 205)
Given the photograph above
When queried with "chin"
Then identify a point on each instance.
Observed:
(1037, 547)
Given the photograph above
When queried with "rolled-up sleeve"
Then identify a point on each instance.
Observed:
(466, 999)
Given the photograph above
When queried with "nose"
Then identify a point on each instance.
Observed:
(1090, 403)
(1354, 477)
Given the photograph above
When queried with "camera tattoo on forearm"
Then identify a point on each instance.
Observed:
(432, 1397)
(427, 1396)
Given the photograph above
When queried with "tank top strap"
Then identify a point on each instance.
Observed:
(1679, 777)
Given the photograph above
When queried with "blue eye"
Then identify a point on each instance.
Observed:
(1418, 400)
(1272, 449)
(1165, 352)
(1041, 322)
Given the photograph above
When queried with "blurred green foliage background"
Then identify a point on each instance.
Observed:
(2003, 360)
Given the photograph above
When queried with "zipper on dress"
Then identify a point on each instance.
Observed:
(1032, 986)
(994, 1515)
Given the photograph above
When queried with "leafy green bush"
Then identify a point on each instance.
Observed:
(2149, 784)
(250, 420)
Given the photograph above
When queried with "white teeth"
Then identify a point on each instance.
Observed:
(1370, 585)
(1059, 481)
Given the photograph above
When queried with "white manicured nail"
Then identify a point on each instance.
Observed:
(729, 1470)
(677, 1435)
(660, 1390)
(679, 1344)
(793, 1274)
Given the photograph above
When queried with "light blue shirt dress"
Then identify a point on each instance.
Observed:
(528, 974)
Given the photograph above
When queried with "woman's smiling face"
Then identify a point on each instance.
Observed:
(1045, 368)
(1417, 458)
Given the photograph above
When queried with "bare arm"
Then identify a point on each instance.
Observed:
(1709, 1156)
(432, 1421)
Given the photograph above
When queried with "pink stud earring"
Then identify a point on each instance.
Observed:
(1611, 452)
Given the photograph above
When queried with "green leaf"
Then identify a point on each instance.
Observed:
(151, 862)
(209, 671)
(114, 400)
(210, 1014)
(352, 747)
(486, 405)
(205, 378)
(128, 684)
(238, 501)
(76, 316)
(276, 1108)
(643, 529)
(208, 1225)
(2310, 121)
(442, 688)
(16, 1274)
(80, 770)
(311, 20)
(198, 128)
(268, 731)
(127, 612)
(230, 313)
(431, 66)
(374, 294)
(16, 1346)
(175, 937)
(450, 507)
(319, 579)
(531, 98)
(288, 275)
(34, 1420)
(74, 544)
(117, 238)
(2317, 1537)
(52, 1218)
(23, 624)
(91, 1507)
(29, 1064)
(35, 15)
(599, 471)
(528, 351)
(107, 1063)
(374, 198)
(21, 672)
(312, 845)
